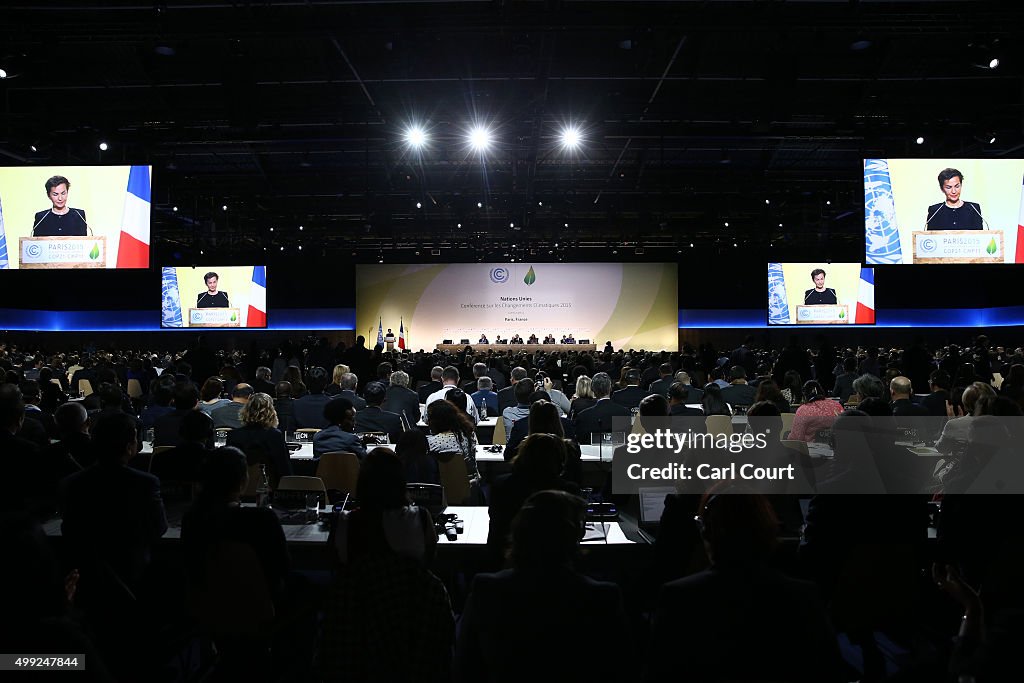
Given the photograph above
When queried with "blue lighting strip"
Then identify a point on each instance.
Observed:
(296, 319)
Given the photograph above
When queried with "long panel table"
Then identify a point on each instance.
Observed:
(456, 348)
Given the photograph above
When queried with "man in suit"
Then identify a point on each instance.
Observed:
(695, 393)
(935, 402)
(678, 397)
(739, 393)
(598, 418)
(112, 514)
(309, 409)
(662, 385)
(20, 456)
(263, 385)
(744, 357)
(844, 383)
(900, 389)
(167, 427)
(349, 382)
(110, 403)
(479, 370)
(402, 400)
(507, 396)
(630, 395)
(485, 393)
(228, 415)
(521, 410)
(284, 404)
(433, 385)
(373, 419)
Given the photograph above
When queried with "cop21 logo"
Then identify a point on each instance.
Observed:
(927, 244)
(33, 251)
(499, 275)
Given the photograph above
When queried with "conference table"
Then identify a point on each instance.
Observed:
(532, 348)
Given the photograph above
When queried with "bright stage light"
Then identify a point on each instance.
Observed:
(920, 140)
(479, 139)
(416, 137)
(993, 63)
(571, 138)
(103, 147)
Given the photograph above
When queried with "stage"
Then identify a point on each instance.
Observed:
(549, 348)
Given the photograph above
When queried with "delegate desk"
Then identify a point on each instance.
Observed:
(456, 348)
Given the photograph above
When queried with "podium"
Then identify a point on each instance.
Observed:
(958, 246)
(62, 252)
(389, 342)
(214, 317)
(823, 314)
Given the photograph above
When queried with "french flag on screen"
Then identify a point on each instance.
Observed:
(866, 298)
(257, 315)
(133, 247)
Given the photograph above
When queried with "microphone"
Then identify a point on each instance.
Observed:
(929, 219)
(87, 226)
(984, 222)
(32, 232)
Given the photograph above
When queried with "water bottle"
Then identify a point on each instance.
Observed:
(263, 489)
(483, 409)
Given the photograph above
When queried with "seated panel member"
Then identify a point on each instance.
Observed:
(516, 339)
(550, 339)
(820, 294)
(60, 220)
(954, 213)
(211, 298)
(483, 339)
(533, 339)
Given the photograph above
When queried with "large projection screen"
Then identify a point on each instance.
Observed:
(632, 305)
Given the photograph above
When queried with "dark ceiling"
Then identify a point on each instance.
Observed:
(694, 114)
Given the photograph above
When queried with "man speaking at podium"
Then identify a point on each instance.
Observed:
(820, 294)
(211, 298)
(60, 220)
(954, 213)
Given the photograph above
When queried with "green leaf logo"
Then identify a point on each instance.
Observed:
(531, 277)
(991, 248)
(234, 318)
(842, 314)
(95, 253)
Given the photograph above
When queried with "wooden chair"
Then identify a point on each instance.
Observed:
(499, 438)
(787, 424)
(297, 483)
(997, 380)
(454, 477)
(339, 470)
(719, 424)
(254, 482)
(134, 388)
(85, 386)
(796, 445)
(638, 427)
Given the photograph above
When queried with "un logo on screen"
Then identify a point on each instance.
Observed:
(499, 275)
(197, 316)
(33, 250)
(927, 244)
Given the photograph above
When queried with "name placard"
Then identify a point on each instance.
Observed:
(823, 314)
(958, 246)
(214, 317)
(62, 252)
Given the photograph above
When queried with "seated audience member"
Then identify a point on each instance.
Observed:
(338, 436)
(110, 404)
(373, 419)
(544, 419)
(664, 381)
(228, 415)
(713, 402)
(334, 388)
(738, 393)
(262, 383)
(293, 375)
(543, 382)
(792, 386)
(184, 462)
(867, 386)
(387, 617)
(843, 388)
(542, 609)
(402, 400)
(817, 412)
(449, 381)
(160, 401)
(211, 395)
(433, 385)
(72, 453)
(260, 439)
(349, 382)
(414, 452)
(284, 404)
(631, 394)
(900, 391)
(678, 398)
(309, 409)
(538, 466)
(167, 430)
(51, 393)
(21, 456)
(485, 394)
(451, 431)
(955, 432)
(583, 398)
(522, 389)
(507, 396)
(31, 395)
(112, 515)
(778, 623)
(935, 402)
(600, 418)
(768, 390)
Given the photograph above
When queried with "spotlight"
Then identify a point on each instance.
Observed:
(780, 225)
(201, 252)
(103, 147)
(174, 209)
(992, 140)
(282, 248)
(571, 138)
(767, 201)
(419, 205)
(300, 228)
(224, 207)
(3, 73)
(920, 140)
(566, 225)
(691, 245)
(479, 205)
(727, 224)
(828, 202)
(31, 147)
(511, 224)
(300, 247)
(993, 63)
(271, 228)
(479, 139)
(416, 137)
(458, 225)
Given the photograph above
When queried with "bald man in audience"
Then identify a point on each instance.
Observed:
(901, 389)
(228, 415)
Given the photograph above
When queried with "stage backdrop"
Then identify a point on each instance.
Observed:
(634, 305)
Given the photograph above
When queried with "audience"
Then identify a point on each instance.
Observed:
(338, 436)
(229, 414)
(260, 439)
(817, 413)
